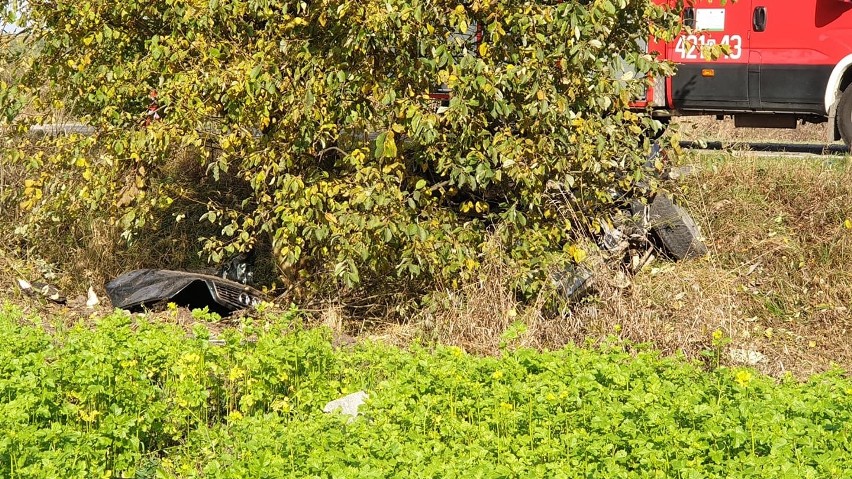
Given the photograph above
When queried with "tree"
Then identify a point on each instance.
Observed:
(279, 98)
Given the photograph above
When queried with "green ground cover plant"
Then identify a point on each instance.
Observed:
(124, 396)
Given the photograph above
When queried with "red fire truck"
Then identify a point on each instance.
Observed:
(787, 62)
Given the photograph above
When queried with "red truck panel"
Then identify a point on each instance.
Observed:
(784, 56)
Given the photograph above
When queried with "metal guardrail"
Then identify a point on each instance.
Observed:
(764, 147)
(57, 129)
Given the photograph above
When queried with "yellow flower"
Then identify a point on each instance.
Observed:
(190, 358)
(506, 406)
(497, 375)
(743, 377)
(717, 335)
(248, 401)
(235, 373)
(88, 416)
(281, 405)
(235, 416)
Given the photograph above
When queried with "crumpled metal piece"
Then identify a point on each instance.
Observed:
(574, 282)
(144, 288)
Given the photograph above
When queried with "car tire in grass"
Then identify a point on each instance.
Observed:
(844, 116)
(675, 229)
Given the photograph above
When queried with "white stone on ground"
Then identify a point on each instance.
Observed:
(348, 405)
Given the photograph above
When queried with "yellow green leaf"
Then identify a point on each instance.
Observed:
(578, 254)
(390, 146)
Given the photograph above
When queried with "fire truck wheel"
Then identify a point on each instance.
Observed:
(675, 229)
(844, 116)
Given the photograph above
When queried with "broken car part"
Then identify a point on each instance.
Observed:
(48, 291)
(240, 268)
(574, 282)
(675, 228)
(145, 288)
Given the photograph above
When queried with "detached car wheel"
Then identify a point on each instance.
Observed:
(675, 229)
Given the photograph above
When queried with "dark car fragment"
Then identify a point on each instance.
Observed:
(145, 288)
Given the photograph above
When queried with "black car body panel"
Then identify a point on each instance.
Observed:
(143, 288)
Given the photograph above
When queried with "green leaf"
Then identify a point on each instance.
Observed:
(380, 145)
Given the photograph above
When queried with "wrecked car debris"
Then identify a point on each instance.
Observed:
(635, 223)
(574, 281)
(145, 288)
(675, 229)
(240, 268)
(634, 230)
(48, 291)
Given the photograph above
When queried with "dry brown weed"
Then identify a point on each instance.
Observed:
(476, 316)
(777, 280)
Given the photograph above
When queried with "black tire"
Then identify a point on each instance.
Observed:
(675, 229)
(844, 116)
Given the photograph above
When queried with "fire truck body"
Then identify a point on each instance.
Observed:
(786, 62)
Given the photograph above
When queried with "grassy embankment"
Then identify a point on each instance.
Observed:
(87, 396)
(777, 280)
(136, 397)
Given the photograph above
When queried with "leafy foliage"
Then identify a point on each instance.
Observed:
(281, 96)
(132, 398)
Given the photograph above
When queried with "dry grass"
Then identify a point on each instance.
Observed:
(780, 257)
(476, 316)
(87, 250)
(777, 281)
